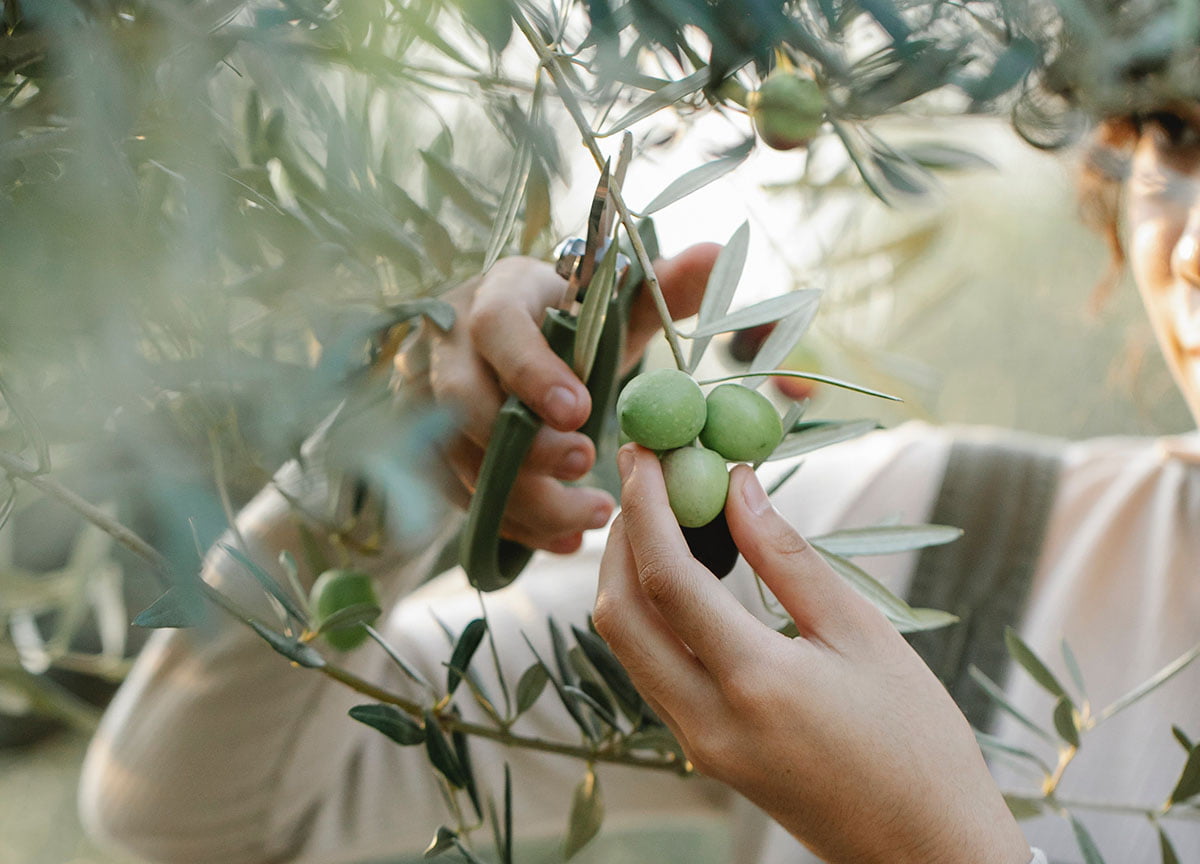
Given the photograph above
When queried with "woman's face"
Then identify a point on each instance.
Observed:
(1163, 217)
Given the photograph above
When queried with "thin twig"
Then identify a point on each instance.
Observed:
(571, 102)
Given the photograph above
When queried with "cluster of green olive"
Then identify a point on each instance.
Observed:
(665, 410)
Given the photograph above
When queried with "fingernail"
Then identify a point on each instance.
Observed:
(574, 464)
(560, 406)
(601, 515)
(624, 462)
(755, 496)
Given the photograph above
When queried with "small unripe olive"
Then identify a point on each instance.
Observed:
(697, 483)
(788, 110)
(662, 410)
(335, 590)
(742, 424)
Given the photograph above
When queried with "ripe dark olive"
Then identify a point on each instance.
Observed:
(697, 483)
(742, 424)
(335, 590)
(662, 410)
(713, 546)
(788, 110)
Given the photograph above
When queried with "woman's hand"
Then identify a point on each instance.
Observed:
(842, 735)
(496, 348)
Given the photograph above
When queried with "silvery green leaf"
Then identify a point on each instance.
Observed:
(529, 688)
(405, 667)
(269, 584)
(349, 616)
(764, 312)
(1073, 669)
(697, 179)
(462, 750)
(886, 539)
(1020, 652)
(993, 691)
(1158, 679)
(439, 312)
(1188, 783)
(391, 721)
(722, 284)
(992, 743)
(582, 720)
(447, 180)
(594, 313)
(587, 813)
(666, 95)
(1091, 854)
(613, 673)
(179, 607)
(946, 157)
(776, 347)
(1064, 721)
(297, 652)
(464, 650)
(796, 443)
(1169, 856)
(1022, 807)
(904, 617)
(510, 203)
(747, 377)
(604, 713)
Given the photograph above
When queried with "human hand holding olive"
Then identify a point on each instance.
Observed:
(496, 348)
(842, 735)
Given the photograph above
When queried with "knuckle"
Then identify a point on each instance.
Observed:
(662, 579)
(607, 619)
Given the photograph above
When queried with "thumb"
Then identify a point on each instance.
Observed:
(820, 602)
(682, 280)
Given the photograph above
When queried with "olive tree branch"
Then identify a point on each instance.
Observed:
(553, 65)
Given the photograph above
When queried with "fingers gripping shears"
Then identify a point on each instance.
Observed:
(587, 330)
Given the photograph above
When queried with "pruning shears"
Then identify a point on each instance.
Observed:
(587, 330)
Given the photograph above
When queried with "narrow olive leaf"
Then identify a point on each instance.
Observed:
(696, 179)
(270, 585)
(443, 841)
(777, 346)
(993, 691)
(594, 313)
(1169, 856)
(886, 539)
(905, 618)
(529, 688)
(603, 713)
(587, 813)
(288, 565)
(1182, 737)
(1073, 669)
(1064, 721)
(391, 721)
(990, 743)
(1091, 854)
(464, 650)
(586, 726)
(1022, 807)
(440, 755)
(463, 752)
(562, 657)
(405, 667)
(758, 376)
(510, 203)
(779, 482)
(508, 816)
(447, 181)
(1020, 652)
(178, 607)
(350, 616)
(297, 652)
(1155, 681)
(610, 669)
(721, 286)
(666, 95)
(763, 312)
(537, 206)
(1188, 783)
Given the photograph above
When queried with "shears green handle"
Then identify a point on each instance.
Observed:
(492, 562)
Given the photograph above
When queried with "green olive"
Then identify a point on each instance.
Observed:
(697, 483)
(788, 110)
(334, 591)
(662, 410)
(742, 424)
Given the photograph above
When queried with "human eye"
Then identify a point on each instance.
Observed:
(1170, 131)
